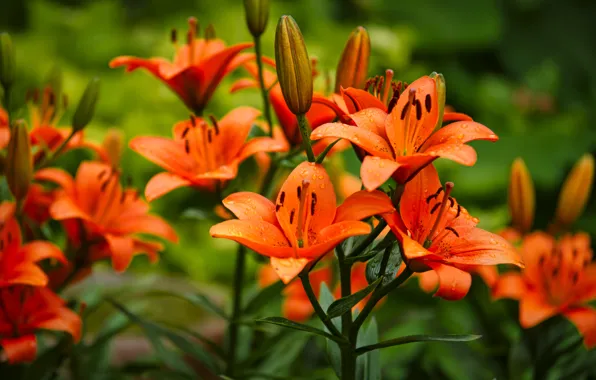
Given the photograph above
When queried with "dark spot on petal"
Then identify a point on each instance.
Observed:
(428, 102)
(292, 216)
(313, 204)
(282, 197)
(404, 111)
(185, 132)
(452, 230)
(102, 174)
(277, 207)
(299, 192)
(418, 109)
(435, 208)
(451, 202)
(210, 136)
(458, 211)
(575, 278)
(186, 146)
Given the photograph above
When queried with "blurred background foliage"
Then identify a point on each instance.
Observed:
(524, 68)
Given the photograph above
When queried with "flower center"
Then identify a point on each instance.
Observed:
(44, 110)
(199, 141)
(440, 228)
(380, 87)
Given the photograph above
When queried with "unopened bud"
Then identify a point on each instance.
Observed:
(7, 61)
(575, 191)
(257, 14)
(86, 107)
(293, 66)
(19, 165)
(521, 197)
(113, 145)
(441, 96)
(352, 69)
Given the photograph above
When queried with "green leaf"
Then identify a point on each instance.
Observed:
(373, 267)
(332, 349)
(324, 153)
(172, 360)
(283, 322)
(46, 364)
(364, 257)
(292, 345)
(195, 298)
(368, 366)
(344, 305)
(417, 338)
(519, 362)
(264, 297)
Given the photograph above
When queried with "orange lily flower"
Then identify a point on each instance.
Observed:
(429, 280)
(559, 278)
(37, 203)
(304, 222)
(44, 133)
(24, 311)
(317, 115)
(19, 262)
(200, 155)
(437, 233)
(112, 216)
(197, 69)
(403, 142)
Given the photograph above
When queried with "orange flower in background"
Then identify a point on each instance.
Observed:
(112, 217)
(44, 133)
(437, 233)
(201, 155)
(24, 311)
(19, 262)
(37, 203)
(317, 115)
(559, 278)
(197, 69)
(429, 280)
(405, 141)
(303, 224)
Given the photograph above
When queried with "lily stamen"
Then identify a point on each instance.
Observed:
(443, 207)
(302, 214)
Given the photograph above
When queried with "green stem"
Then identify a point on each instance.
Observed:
(264, 91)
(377, 295)
(348, 356)
(305, 132)
(49, 159)
(236, 310)
(369, 239)
(316, 305)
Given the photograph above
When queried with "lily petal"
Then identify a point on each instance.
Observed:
(22, 349)
(251, 206)
(334, 234)
(260, 236)
(584, 319)
(234, 128)
(261, 144)
(166, 153)
(455, 116)
(510, 285)
(121, 248)
(145, 224)
(65, 320)
(162, 183)
(454, 283)
(41, 250)
(460, 153)
(288, 268)
(57, 176)
(375, 171)
(411, 165)
(365, 139)
(533, 309)
(460, 132)
(363, 204)
(371, 119)
(65, 208)
(357, 100)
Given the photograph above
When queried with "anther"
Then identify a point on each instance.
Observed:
(292, 215)
(392, 103)
(313, 203)
(209, 135)
(380, 85)
(436, 194)
(104, 185)
(185, 132)
(298, 191)
(458, 211)
(186, 146)
(102, 174)
(174, 36)
(435, 208)
(277, 207)
(428, 102)
(122, 197)
(282, 198)
(193, 120)
(575, 278)
(215, 125)
(452, 230)
(418, 109)
(541, 260)
(451, 202)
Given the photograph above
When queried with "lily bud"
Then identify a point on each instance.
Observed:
(441, 96)
(113, 145)
(257, 14)
(352, 68)
(7, 61)
(521, 197)
(293, 66)
(575, 191)
(19, 165)
(86, 107)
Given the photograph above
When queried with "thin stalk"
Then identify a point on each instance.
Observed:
(305, 132)
(236, 310)
(264, 91)
(348, 356)
(316, 305)
(49, 159)
(369, 239)
(377, 295)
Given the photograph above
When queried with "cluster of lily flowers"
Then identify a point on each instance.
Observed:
(396, 129)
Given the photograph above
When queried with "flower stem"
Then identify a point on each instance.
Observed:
(305, 132)
(236, 310)
(316, 305)
(348, 356)
(369, 239)
(264, 90)
(49, 159)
